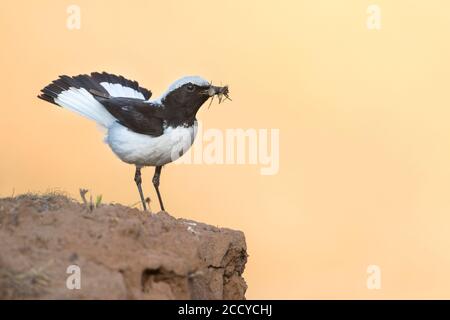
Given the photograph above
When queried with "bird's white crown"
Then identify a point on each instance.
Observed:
(199, 81)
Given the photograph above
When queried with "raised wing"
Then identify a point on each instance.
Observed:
(138, 115)
(81, 94)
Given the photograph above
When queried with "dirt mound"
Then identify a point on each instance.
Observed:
(115, 252)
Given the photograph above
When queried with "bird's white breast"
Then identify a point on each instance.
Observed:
(145, 150)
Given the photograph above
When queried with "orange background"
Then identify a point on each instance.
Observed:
(363, 116)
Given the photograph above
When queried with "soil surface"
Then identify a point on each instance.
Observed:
(49, 244)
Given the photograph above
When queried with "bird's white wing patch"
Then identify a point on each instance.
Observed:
(118, 90)
(83, 103)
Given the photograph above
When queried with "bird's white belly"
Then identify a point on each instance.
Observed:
(145, 150)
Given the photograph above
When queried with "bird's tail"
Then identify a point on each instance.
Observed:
(74, 93)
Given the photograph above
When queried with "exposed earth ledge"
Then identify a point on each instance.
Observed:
(121, 252)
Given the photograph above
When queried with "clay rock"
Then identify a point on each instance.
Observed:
(120, 253)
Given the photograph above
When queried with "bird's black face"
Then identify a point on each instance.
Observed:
(183, 103)
(187, 99)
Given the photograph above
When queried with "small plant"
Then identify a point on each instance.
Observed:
(83, 196)
(98, 201)
(90, 205)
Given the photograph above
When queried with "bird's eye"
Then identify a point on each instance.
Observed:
(190, 87)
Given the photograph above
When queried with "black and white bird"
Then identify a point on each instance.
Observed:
(140, 131)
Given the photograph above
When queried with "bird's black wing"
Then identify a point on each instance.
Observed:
(104, 84)
(137, 115)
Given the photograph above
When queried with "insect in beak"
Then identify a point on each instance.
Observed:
(220, 92)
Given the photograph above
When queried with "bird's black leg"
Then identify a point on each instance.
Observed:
(156, 184)
(138, 180)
